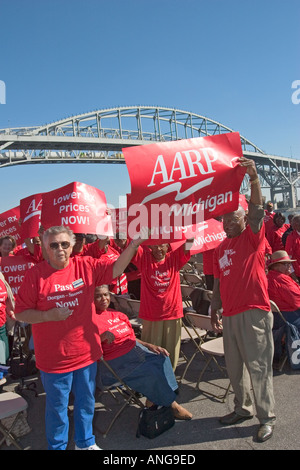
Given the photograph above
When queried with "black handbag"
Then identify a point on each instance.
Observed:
(154, 421)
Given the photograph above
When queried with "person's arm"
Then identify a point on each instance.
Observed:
(256, 211)
(216, 304)
(126, 256)
(256, 195)
(33, 316)
(107, 336)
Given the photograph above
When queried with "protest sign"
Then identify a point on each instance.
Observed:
(14, 269)
(183, 183)
(30, 214)
(78, 206)
(119, 221)
(207, 236)
(9, 224)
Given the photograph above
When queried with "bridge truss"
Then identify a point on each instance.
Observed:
(99, 136)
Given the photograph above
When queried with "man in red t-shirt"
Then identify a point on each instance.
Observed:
(57, 298)
(240, 288)
(285, 292)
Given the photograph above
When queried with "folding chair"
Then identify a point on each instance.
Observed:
(193, 279)
(186, 291)
(114, 301)
(275, 310)
(11, 404)
(123, 305)
(188, 267)
(135, 306)
(214, 348)
(199, 268)
(209, 350)
(127, 393)
(201, 300)
(195, 334)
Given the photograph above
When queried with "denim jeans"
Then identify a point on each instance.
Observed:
(81, 383)
(145, 372)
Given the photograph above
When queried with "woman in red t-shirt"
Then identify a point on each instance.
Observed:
(57, 298)
(161, 301)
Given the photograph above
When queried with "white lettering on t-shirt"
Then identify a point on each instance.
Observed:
(226, 261)
(58, 287)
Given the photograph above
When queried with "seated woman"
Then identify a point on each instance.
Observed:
(285, 292)
(143, 367)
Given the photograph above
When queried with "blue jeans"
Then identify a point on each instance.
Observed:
(81, 383)
(145, 372)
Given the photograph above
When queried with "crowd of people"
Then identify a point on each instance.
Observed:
(65, 297)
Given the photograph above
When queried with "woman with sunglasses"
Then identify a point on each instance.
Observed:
(57, 298)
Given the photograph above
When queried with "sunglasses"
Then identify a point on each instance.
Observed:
(56, 245)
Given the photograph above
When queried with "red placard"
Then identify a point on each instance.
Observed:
(182, 183)
(207, 236)
(78, 206)
(9, 224)
(14, 269)
(30, 214)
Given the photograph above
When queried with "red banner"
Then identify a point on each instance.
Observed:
(13, 269)
(183, 183)
(78, 206)
(207, 236)
(30, 214)
(119, 220)
(9, 224)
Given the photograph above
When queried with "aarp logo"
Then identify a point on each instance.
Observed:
(2, 92)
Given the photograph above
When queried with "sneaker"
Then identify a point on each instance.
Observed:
(92, 447)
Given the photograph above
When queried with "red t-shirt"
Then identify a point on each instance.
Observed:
(63, 346)
(274, 237)
(160, 284)
(118, 324)
(284, 291)
(292, 247)
(268, 220)
(208, 261)
(3, 297)
(239, 264)
(118, 285)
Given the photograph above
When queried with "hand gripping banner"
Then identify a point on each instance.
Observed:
(78, 206)
(182, 183)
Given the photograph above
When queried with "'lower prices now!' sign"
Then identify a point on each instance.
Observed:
(78, 206)
(14, 269)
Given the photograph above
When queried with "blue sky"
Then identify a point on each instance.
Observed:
(233, 61)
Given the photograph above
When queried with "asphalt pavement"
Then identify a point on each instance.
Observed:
(186, 438)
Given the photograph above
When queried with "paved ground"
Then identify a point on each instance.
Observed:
(203, 432)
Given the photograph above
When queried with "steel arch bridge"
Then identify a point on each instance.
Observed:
(99, 136)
